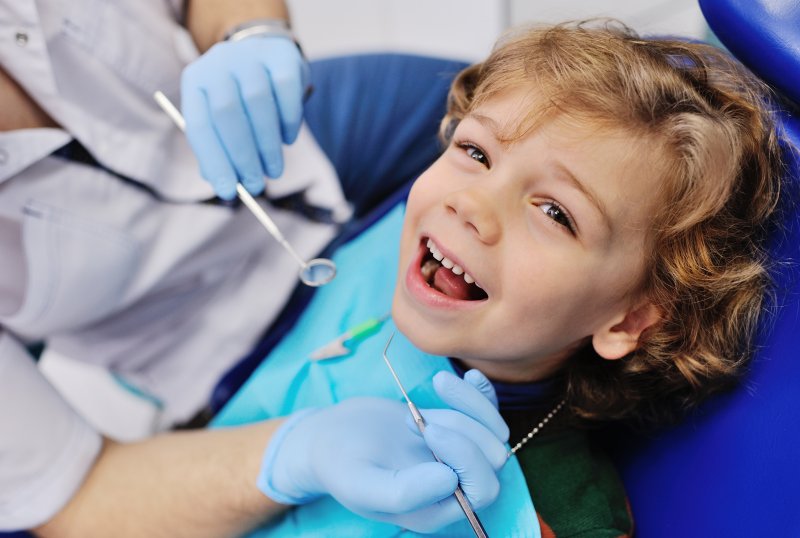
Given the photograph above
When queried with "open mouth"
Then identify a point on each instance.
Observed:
(447, 277)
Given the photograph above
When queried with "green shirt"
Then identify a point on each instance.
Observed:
(573, 483)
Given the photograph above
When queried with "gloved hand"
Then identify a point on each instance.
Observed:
(241, 99)
(367, 455)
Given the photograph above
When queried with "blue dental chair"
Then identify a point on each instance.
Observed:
(731, 470)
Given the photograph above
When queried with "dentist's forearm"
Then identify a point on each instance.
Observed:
(196, 484)
(209, 20)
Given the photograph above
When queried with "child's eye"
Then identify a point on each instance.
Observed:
(553, 210)
(474, 152)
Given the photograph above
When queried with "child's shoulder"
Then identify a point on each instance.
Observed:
(574, 485)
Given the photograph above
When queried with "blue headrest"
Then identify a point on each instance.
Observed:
(762, 34)
(731, 469)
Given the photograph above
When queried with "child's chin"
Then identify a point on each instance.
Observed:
(423, 338)
(408, 324)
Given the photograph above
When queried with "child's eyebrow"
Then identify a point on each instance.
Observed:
(487, 122)
(582, 187)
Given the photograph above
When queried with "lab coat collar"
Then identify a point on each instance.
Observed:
(22, 148)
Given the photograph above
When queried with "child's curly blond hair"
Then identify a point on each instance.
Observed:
(716, 149)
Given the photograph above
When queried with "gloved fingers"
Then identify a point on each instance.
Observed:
(233, 128)
(287, 75)
(494, 449)
(476, 378)
(464, 397)
(262, 113)
(476, 475)
(393, 491)
(426, 520)
(211, 156)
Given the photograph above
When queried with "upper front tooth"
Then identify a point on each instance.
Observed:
(457, 269)
(447, 262)
(436, 254)
(468, 279)
(429, 244)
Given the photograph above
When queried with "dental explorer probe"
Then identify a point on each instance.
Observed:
(316, 272)
(472, 517)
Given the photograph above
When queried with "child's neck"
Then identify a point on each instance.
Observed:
(520, 395)
(517, 371)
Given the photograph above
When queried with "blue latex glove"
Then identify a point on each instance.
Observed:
(241, 100)
(366, 454)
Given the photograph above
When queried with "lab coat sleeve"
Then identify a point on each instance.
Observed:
(178, 9)
(46, 449)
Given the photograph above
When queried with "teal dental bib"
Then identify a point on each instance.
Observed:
(288, 381)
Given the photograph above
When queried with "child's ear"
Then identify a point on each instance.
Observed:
(621, 337)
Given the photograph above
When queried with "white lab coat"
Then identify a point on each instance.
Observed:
(168, 295)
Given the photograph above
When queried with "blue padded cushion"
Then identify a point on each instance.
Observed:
(377, 116)
(762, 34)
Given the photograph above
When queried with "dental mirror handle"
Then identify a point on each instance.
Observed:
(246, 198)
(171, 110)
(266, 221)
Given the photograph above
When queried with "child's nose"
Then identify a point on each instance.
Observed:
(476, 212)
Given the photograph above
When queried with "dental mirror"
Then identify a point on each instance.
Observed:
(318, 272)
(314, 273)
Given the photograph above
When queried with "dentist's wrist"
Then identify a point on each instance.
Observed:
(261, 28)
(286, 469)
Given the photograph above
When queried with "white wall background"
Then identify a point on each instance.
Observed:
(465, 29)
(679, 17)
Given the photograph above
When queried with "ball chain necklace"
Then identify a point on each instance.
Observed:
(536, 428)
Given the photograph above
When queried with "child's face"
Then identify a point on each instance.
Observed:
(552, 228)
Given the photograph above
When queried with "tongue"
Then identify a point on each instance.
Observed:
(450, 284)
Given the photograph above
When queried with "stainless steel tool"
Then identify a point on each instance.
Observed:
(420, 422)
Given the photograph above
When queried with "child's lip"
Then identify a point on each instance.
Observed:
(420, 291)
